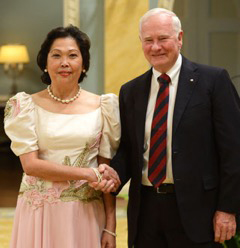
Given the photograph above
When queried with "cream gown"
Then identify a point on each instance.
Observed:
(60, 214)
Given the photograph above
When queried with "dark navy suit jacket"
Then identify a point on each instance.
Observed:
(205, 146)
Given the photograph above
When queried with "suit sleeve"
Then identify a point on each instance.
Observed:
(226, 118)
(121, 160)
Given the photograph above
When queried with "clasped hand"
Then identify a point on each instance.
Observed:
(109, 182)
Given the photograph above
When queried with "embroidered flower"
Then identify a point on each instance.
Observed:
(79, 183)
(51, 195)
(31, 180)
(96, 144)
(34, 198)
(16, 107)
(12, 108)
(59, 187)
(36, 191)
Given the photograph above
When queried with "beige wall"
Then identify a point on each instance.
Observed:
(124, 59)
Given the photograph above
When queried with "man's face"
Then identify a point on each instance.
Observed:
(160, 42)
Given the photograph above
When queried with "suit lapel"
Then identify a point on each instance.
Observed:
(187, 81)
(142, 89)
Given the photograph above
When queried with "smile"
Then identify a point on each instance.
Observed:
(64, 73)
(158, 55)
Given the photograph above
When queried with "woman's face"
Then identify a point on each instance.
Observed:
(64, 61)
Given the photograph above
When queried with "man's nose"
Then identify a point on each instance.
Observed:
(156, 45)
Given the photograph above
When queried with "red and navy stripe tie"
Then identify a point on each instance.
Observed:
(158, 143)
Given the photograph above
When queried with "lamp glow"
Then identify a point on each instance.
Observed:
(13, 56)
(10, 54)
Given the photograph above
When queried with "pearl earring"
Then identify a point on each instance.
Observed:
(45, 70)
(83, 70)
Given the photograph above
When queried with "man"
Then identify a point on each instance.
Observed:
(180, 145)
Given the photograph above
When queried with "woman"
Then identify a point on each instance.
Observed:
(61, 134)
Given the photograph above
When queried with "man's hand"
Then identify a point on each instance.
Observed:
(224, 226)
(110, 180)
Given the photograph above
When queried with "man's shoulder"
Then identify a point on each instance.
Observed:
(201, 67)
(141, 79)
(206, 74)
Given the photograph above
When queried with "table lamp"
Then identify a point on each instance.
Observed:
(13, 56)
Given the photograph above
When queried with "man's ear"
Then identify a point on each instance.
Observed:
(180, 39)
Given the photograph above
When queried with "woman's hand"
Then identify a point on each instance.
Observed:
(108, 241)
(92, 176)
(110, 180)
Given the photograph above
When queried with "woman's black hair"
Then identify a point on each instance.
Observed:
(81, 39)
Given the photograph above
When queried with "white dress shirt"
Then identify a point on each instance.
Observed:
(173, 73)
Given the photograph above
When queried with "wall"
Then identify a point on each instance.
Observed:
(27, 22)
(211, 33)
(116, 54)
(92, 22)
(124, 59)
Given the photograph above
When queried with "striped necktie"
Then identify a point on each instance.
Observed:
(158, 143)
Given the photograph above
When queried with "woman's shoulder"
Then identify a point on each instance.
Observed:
(20, 104)
(90, 99)
(40, 97)
(109, 98)
(21, 96)
(24, 100)
(19, 101)
(109, 103)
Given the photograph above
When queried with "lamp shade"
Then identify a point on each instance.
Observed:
(11, 54)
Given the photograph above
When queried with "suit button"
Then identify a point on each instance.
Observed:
(175, 154)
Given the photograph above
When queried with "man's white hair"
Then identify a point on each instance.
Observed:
(161, 11)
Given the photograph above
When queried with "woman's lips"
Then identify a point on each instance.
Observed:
(64, 73)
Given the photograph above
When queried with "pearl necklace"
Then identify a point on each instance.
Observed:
(61, 100)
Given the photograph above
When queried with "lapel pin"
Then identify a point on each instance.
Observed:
(191, 80)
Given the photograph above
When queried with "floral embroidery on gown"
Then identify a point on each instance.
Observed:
(60, 214)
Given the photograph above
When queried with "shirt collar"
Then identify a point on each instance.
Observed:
(172, 73)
